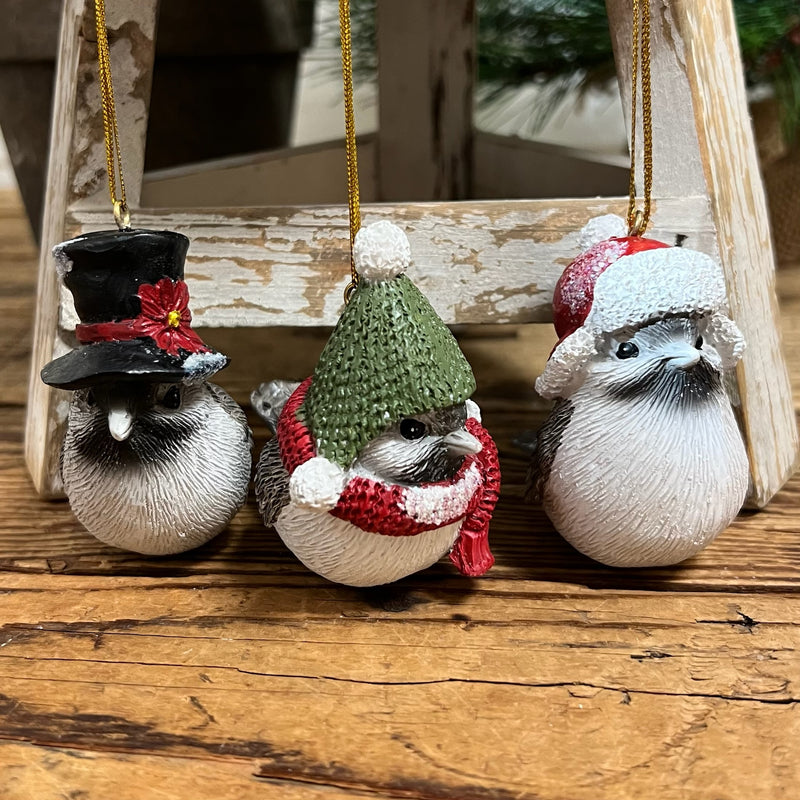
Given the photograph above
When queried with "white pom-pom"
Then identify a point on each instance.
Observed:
(317, 483)
(381, 251)
(599, 229)
(473, 410)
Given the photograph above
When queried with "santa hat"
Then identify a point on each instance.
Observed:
(622, 282)
(389, 356)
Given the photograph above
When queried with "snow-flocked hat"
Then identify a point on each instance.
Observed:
(133, 306)
(622, 282)
(389, 356)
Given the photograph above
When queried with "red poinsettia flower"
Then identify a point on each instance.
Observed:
(166, 318)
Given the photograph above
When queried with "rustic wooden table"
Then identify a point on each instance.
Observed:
(232, 673)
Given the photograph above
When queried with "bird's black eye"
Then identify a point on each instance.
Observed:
(91, 400)
(412, 429)
(172, 398)
(627, 350)
(699, 342)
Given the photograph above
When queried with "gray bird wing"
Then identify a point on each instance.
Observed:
(272, 482)
(547, 444)
(232, 407)
(269, 399)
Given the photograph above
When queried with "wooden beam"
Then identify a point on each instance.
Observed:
(426, 55)
(76, 178)
(482, 261)
(316, 173)
(677, 166)
(507, 166)
(703, 143)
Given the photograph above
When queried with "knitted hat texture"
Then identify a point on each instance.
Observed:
(389, 356)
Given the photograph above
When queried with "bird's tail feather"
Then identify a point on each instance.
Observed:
(269, 398)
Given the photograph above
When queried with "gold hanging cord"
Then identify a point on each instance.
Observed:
(638, 219)
(110, 132)
(350, 138)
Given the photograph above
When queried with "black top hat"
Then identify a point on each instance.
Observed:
(134, 309)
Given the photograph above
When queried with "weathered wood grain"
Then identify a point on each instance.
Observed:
(482, 261)
(677, 165)
(76, 174)
(53, 773)
(426, 75)
(451, 696)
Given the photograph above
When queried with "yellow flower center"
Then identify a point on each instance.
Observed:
(174, 319)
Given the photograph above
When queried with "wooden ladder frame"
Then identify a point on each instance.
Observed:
(477, 261)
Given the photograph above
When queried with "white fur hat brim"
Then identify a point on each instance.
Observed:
(633, 291)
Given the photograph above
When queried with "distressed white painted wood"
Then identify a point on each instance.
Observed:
(481, 261)
(678, 169)
(426, 57)
(76, 177)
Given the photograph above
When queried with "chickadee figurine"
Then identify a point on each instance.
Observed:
(641, 462)
(380, 465)
(155, 459)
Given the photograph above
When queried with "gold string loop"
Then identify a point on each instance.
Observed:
(639, 219)
(110, 131)
(353, 203)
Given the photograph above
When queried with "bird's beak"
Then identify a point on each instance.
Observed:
(682, 356)
(461, 443)
(120, 422)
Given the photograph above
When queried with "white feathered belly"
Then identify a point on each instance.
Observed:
(343, 553)
(630, 487)
(166, 507)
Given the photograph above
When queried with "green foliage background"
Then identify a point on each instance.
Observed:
(565, 44)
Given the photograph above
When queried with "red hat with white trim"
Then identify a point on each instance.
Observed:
(623, 282)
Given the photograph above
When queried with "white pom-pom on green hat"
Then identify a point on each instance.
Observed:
(381, 251)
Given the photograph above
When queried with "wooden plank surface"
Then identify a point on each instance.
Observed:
(233, 673)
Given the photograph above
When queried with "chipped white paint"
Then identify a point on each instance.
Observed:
(483, 261)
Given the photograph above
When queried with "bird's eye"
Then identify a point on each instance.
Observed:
(412, 429)
(627, 350)
(171, 398)
(91, 400)
(699, 342)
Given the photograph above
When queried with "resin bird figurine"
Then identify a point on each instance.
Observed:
(380, 465)
(155, 458)
(641, 462)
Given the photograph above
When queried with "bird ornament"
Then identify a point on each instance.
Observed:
(641, 461)
(380, 464)
(155, 459)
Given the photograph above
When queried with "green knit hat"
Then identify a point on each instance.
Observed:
(389, 356)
